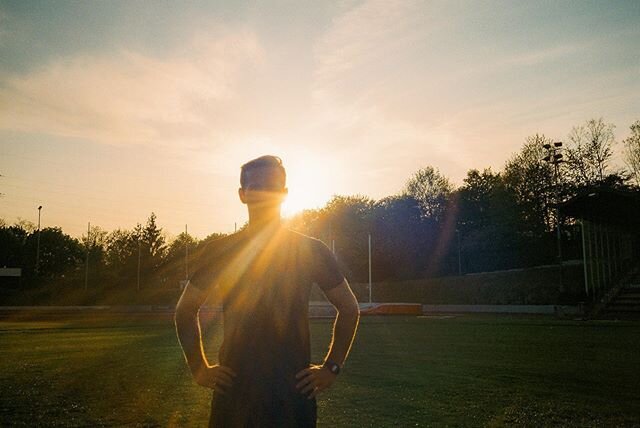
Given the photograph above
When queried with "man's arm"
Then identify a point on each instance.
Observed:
(316, 379)
(190, 338)
(346, 323)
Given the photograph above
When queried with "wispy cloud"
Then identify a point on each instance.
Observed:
(3, 22)
(361, 93)
(428, 84)
(133, 98)
(359, 38)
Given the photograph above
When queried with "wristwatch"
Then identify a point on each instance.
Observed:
(333, 367)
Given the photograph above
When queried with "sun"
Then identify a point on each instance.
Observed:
(309, 185)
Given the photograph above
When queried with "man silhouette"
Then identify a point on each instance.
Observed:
(263, 277)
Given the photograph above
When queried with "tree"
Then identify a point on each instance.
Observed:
(177, 247)
(26, 225)
(531, 179)
(589, 152)
(59, 253)
(122, 255)
(489, 223)
(12, 246)
(96, 242)
(153, 239)
(399, 238)
(632, 152)
(431, 189)
(174, 261)
(152, 248)
(345, 220)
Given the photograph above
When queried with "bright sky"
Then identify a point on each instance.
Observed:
(110, 110)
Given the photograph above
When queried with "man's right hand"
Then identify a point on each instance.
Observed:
(215, 377)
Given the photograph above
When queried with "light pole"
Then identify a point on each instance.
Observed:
(38, 243)
(138, 272)
(554, 157)
(459, 258)
(370, 284)
(186, 254)
(86, 264)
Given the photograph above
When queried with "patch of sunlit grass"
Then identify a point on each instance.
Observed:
(408, 371)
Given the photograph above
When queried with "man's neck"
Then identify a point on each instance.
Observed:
(264, 220)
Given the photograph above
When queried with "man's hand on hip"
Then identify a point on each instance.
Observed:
(314, 380)
(215, 377)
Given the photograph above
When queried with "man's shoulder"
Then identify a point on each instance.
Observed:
(301, 238)
(219, 245)
(304, 242)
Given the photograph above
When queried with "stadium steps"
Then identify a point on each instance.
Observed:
(626, 305)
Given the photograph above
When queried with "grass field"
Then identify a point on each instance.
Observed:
(480, 370)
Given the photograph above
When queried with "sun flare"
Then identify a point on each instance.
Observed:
(309, 185)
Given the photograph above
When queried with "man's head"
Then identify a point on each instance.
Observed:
(263, 181)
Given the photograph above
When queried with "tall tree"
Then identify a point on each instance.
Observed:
(153, 239)
(59, 253)
(120, 246)
(96, 243)
(174, 266)
(153, 248)
(489, 223)
(484, 199)
(399, 238)
(632, 152)
(431, 189)
(589, 152)
(532, 181)
(12, 246)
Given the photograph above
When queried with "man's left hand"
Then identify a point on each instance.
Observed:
(314, 379)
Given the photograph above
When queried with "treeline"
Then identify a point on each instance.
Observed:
(495, 220)
(122, 258)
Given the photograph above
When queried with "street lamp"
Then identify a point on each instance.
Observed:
(554, 157)
(38, 242)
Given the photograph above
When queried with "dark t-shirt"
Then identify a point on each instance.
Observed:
(263, 280)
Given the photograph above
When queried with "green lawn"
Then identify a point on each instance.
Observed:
(402, 371)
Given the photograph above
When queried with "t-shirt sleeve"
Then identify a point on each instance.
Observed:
(326, 271)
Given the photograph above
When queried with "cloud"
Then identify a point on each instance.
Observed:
(363, 91)
(133, 98)
(434, 84)
(359, 38)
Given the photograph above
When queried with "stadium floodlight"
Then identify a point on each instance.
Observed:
(554, 157)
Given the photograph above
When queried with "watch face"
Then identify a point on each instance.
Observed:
(333, 367)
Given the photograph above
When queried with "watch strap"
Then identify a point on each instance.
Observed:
(332, 366)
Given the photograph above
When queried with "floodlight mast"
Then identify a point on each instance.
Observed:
(554, 157)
